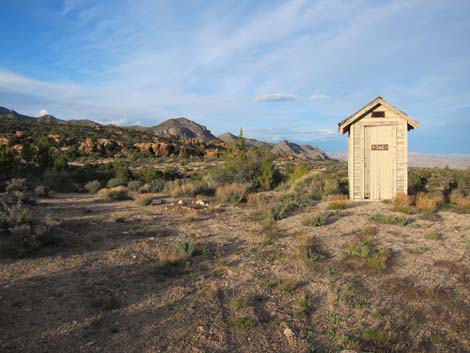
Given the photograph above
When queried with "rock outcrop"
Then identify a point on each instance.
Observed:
(183, 128)
(303, 152)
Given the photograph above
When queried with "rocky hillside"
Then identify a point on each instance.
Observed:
(231, 139)
(303, 152)
(172, 137)
(183, 128)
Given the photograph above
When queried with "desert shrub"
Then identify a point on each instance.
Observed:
(244, 323)
(385, 219)
(256, 199)
(93, 186)
(402, 203)
(433, 235)
(296, 174)
(317, 220)
(121, 171)
(145, 201)
(187, 188)
(311, 250)
(248, 165)
(375, 337)
(369, 231)
(153, 186)
(266, 176)
(147, 175)
(288, 202)
(460, 199)
(20, 185)
(17, 190)
(114, 182)
(417, 183)
(233, 193)
(429, 202)
(113, 194)
(134, 185)
(338, 202)
(317, 184)
(374, 259)
(21, 234)
(187, 249)
(41, 191)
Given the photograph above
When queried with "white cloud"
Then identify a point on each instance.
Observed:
(43, 112)
(275, 97)
(319, 97)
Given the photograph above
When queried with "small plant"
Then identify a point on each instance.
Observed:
(93, 186)
(244, 323)
(460, 199)
(420, 250)
(233, 193)
(238, 303)
(187, 249)
(119, 219)
(369, 231)
(286, 287)
(374, 259)
(317, 220)
(385, 219)
(115, 194)
(375, 337)
(310, 250)
(41, 191)
(433, 235)
(338, 202)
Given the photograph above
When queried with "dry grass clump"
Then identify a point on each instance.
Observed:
(362, 254)
(402, 203)
(460, 199)
(188, 188)
(311, 250)
(317, 220)
(338, 202)
(386, 219)
(256, 199)
(114, 194)
(233, 193)
(428, 202)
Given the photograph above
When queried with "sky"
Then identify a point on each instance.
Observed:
(278, 69)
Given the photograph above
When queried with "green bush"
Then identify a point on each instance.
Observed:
(289, 202)
(134, 185)
(114, 182)
(233, 193)
(145, 201)
(41, 191)
(156, 185)
(384, 219)
(147, 175)
(93, 186)
(317, 220)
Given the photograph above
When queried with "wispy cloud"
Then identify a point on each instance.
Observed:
(43, 112)
(149, 60)
(319, 97)
(275, 97)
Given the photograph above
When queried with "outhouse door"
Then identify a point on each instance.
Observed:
(379, 162)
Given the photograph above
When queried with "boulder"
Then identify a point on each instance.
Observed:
(4, 141)
(20, 134)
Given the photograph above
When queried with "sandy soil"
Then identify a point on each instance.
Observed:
(103, 289)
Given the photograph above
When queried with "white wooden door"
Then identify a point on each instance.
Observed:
(379, 162)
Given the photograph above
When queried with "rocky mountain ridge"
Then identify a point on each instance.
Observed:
(179, 136)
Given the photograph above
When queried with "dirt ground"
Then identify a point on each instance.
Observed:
(106, 287)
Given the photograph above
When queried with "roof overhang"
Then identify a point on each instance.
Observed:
(379, 101)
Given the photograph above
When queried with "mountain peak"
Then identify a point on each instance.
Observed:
(183, 127)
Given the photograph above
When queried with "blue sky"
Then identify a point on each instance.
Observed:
(279, 69)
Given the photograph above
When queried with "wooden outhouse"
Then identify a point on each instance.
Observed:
(377, 150)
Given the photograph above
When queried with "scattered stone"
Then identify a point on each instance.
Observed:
(289, 333)
(180, 202)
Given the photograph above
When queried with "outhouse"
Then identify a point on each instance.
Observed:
(377, 150)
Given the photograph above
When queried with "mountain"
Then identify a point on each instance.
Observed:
(231, 139)
(183, 127)
(304, 152)
(49, 119)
